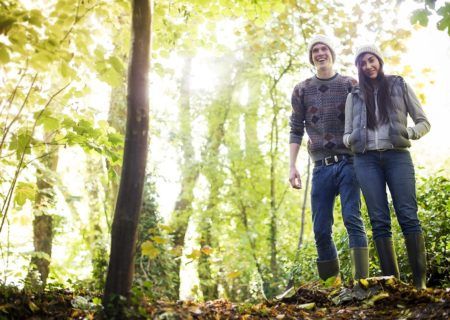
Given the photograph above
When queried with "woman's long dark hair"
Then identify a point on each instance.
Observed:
(384, 97)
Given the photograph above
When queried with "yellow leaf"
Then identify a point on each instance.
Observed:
(207, 250)
(307, 306)
(33, 306)
(278, 7)
(233, 274)
(165, 228)
(364, 283)
(390, 281)
(380, 296)
(159, 240)
(333, 282)
(407, 70)
(177, 251)
(148, 249)
(195, 254)
(23, 219)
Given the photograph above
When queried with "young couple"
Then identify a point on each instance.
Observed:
(358, 138)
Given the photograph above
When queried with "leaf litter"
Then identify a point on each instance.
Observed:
(372, 298)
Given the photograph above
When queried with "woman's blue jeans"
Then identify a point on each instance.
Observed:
(394, 168)
(327, 183)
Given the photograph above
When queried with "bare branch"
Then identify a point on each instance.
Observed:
(7, 128)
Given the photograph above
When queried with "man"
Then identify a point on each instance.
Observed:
(318, 104)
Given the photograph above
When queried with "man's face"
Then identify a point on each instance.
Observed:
(321, 56)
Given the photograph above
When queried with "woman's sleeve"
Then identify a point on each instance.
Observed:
(348, 120)
(422, 125)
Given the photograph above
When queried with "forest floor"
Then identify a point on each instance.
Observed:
(373, 298)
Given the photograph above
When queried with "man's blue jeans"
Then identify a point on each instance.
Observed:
(375, 169)
(327, 183)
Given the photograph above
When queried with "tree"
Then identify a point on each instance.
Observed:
(189, 168)
(43, 220)
(129, 201)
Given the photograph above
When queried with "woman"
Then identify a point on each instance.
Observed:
(376, 131)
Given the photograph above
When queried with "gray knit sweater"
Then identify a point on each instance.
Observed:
(319, 107)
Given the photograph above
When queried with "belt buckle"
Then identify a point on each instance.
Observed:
(332, 159)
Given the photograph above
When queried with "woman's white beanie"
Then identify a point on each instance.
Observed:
(368, 48)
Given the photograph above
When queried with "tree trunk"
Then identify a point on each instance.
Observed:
(95, 230)
(43, 222)
(129, 200)
(208, 283)
(116, 119)
(273, 209)
(218, 115)
(274, 140)
(189, 168)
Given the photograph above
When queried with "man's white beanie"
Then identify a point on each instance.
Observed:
(368, 48)
(320, 38)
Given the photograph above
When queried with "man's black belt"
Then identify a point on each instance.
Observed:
(332, 160)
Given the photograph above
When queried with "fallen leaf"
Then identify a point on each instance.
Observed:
(307, 306)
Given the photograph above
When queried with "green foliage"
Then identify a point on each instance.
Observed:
(433, 197)
(444, 23)
(24, 191)
(421, 16)
(155, 267)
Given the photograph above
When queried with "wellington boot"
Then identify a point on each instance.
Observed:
(415, 245)
(387, 257)
(328, 269)
(360, 262)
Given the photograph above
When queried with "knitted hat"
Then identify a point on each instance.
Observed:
(320, 38)
(368, 48)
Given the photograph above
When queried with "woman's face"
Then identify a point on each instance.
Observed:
(370, 66)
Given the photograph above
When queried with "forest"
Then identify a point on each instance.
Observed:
(145, 159)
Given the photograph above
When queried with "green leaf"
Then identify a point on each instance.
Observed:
(4, 55)
(50, 123)
(85, 127)
(420, 16)
(6, 23)
(117, 64)
(444, 23)
(430, 3)
(66, 70)
(36, 18)
(40, 61)
(68, 123)
(112, 78)
(24, 191)
(115, 139)
(279, 7)
(74, 139)
(23, 142)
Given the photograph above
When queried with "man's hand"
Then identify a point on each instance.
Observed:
(294, 179)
